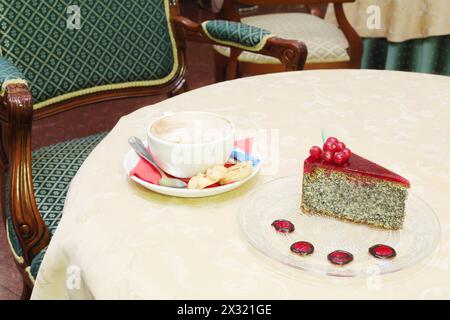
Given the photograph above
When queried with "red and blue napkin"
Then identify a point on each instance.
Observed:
(242, 152)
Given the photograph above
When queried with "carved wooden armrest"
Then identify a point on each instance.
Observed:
(28, 224)
(291, 53)
(9, 74)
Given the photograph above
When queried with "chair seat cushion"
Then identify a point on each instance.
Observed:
(36, 263)
(53, 168)
(325, 41)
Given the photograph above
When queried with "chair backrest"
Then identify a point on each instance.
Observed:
(229, 12)
(68, 48)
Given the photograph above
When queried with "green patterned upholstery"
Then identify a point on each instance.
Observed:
(12, 237)
(36, 263)
(53, 168)
(237, 34)
(9, 73)
(119, 44)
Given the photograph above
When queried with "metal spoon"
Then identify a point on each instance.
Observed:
(139, 147)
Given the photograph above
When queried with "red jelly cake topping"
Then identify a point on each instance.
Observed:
(337, 156)
(382, 251)
(283, 226)
(340, 257)
(302, 248)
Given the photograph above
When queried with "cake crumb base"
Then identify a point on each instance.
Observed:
(333, 215)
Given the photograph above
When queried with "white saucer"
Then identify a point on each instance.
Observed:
(131, 159)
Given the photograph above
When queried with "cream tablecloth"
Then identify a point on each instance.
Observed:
(127, 242)
(400, 19)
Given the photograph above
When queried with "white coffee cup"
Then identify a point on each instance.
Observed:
(186, 143)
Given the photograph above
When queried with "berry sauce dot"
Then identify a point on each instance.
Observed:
(302, 248)
(382, 251)
(340, 257)
(283, 226)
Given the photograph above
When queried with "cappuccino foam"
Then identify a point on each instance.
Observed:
(190, 128)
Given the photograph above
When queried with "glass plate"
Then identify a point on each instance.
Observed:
(280, 199)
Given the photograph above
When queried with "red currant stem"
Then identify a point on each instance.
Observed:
(323, 134)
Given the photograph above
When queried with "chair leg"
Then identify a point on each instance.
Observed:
(26, 292)
(220, 67)
(232, 67)
(185, 86)
(179, 90)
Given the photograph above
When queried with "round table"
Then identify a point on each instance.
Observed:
(118, 240)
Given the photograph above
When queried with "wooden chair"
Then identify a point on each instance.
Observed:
(329, 47)
(56, 57)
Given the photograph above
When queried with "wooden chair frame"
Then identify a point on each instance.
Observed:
(229, 12)
(17, 115)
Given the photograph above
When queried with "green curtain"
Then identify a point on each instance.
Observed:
(429, 55)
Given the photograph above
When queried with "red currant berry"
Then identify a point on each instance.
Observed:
(328, 156)
(315, 152)
(347, 153)
(330, 146)
(332, 140)
(340, 146)
(339, 158)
